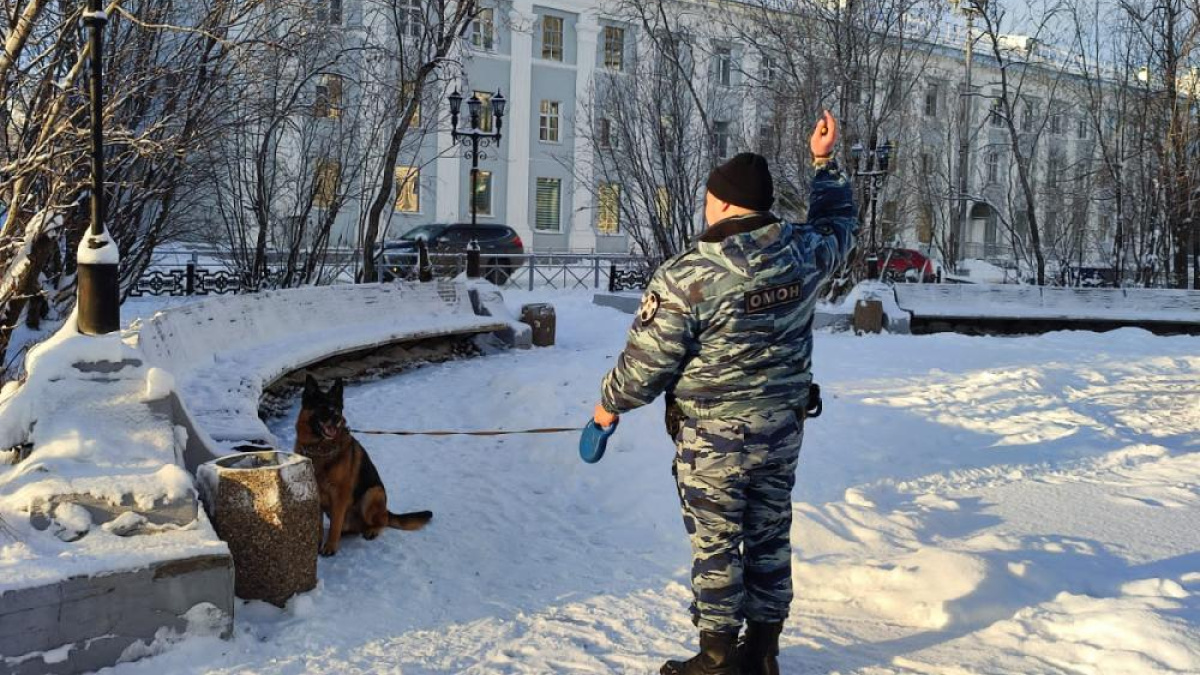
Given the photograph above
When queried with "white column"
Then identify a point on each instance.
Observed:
(753, 111)
(583, 234)
(449, 176)
(519, 120)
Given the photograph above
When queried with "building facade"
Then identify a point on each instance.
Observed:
(546, 58)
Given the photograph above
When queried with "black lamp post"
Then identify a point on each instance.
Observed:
(99, 299)
(472, 138)
(874, 165)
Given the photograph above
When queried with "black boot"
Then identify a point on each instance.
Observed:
(718, 656)
(759, 651)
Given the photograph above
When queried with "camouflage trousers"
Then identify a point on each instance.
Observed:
(735, 478)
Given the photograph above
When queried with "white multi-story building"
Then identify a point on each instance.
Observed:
(545, 58)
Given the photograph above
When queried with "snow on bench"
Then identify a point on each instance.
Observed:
(223, 352)
(997, 302)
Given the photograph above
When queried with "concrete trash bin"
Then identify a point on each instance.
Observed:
(868, 316)
(266, 507)
(541, 318)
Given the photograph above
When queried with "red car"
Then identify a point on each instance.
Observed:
(904, 264)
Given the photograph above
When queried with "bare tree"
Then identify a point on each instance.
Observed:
(420, 39)
(651, 135)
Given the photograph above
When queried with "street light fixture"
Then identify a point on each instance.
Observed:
(873, 164)
(99, 281)
(472, 138)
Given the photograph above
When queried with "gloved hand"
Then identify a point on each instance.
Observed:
(602, 417)
(824, 137)
(594, 441)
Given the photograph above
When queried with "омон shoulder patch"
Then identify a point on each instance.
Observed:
(763, 299)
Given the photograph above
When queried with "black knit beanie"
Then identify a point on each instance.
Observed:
(744, 181)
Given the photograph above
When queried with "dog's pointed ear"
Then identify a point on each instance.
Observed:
(311, 388)
(338, 391)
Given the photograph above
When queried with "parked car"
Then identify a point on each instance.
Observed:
(400, 256)
(903, 264)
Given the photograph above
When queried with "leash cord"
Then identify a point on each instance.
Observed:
(497, 432)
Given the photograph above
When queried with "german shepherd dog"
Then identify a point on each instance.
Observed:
(352, 495)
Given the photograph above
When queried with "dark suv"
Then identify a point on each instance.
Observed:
(400, 256)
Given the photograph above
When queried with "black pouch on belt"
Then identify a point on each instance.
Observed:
(815, 405)
(674, 418)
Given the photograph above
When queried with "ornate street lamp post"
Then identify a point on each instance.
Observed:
(99, 300)
(874, 165)
(473, 139)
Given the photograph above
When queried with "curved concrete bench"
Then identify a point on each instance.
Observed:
(224, 352)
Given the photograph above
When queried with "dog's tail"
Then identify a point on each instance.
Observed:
(409, 521)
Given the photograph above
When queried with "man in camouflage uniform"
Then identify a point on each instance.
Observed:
(725, 330)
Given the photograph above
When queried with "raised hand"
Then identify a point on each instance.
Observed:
(824, 137)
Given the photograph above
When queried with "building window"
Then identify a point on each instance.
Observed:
(483, 193)
(325, 182)
(552, 38)
(549, 205)
(608, 211)
(769, 69)
(604, 134)
(933, 94)
(549, 124)
(483, 30)
(408, 189)
(1030, 111)
(766, 138)
(667, 131)
(662, 205)
(925, 224)
(895, 99)
(723, 66)
(926, 165)
(329, 11)
(614, 48)
(487, 120)
(1053, 166)
(721, 139)
(408, 93)
(996, 115)
(1081, 128)
(1056, 123)
(993, 167)
(328, 101)
(412, 17)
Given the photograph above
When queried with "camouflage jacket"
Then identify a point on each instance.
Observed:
(726, 326)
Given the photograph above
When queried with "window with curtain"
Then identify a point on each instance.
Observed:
(549, 124)
(662, 205)
(408, 189)
(552, 38)
(487, 121)
(483, 193)
(328, 100)
(408, 91)
(327, 176)
(483, 30)
(614, 48)
(608, 209)
(549, 205)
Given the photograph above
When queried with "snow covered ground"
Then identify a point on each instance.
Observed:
(965, 505)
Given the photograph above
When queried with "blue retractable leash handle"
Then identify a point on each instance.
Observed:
(594, 441)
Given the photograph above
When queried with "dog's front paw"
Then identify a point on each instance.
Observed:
(328, 549)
